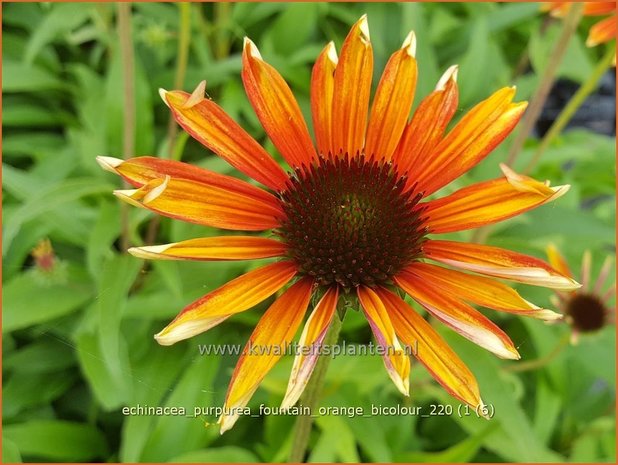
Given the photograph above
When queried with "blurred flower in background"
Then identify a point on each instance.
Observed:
(588, 309)
(602, 31)
(44, 256)
(349, 219)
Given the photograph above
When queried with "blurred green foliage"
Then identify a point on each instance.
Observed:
(77, 340)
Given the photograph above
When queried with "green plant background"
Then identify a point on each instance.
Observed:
(77, 342)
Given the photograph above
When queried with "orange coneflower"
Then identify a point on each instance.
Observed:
(587, 310)
(352, 216)
(601, 32)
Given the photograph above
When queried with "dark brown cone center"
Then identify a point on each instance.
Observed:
(351, 221)
(587, 312)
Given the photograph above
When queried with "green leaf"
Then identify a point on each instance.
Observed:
(61, 19)
(109, 394)
(344, 442)
(106, 229)
(462, 452)
(43, 356)
(517, 441)
(53, 197)
(225, 454)
(22, 77)
(174, 435)
(293, 28)
(58, 440)
(117, 278)
(153, 375)
(10, 451)
(28, 300)
(575, 64)
(23, 390)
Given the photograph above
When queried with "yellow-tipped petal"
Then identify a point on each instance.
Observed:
(497, 262)
(271, 336)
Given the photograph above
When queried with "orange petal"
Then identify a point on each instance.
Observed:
(599, 8)
(205, 204)
(141, 170)
(214, 248)
(428, 123)
(211, 126)
(458, 315)
(478, 290)
(352, 89)
(322, 89)
(471, 140)
(557, 260)
(309, 346)
(431, 350)
(501, 263)
(489, 202)
(276, 108)
(233, 297)
(602, 32)
(393, 101)
(267, 344)
(396, 361)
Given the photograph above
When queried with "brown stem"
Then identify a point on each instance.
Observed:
(547, 80)
(128, 66)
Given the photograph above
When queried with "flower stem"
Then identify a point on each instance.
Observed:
(547, 80)
(184, 39)
(128, 66)
(574, 104)
(312, 395)
(541, 361)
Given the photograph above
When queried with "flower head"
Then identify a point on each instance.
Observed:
(351, 216)
(603, 31)
(587, 310)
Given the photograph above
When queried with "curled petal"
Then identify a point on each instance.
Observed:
(471, 140)
(141, 170)
(396, 361)
(352, 89)
(478, 290)
(393, 101)
(458, 315)
(205, 204)
(489, 202)
(431, 350)
(602, 32)
(267, 344)
(214, 248)
(276, 108)
(497, 262)
(236, 296)
(322, 89)
(310, 343)
(428, 124)
(205, 121)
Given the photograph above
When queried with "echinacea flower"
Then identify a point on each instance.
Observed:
(351, 216)
(601, 32)
(587, 310)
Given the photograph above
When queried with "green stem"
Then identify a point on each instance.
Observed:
(539, 362)
(537, 102)
(128, 66)
(571, 108)
(312, 395)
